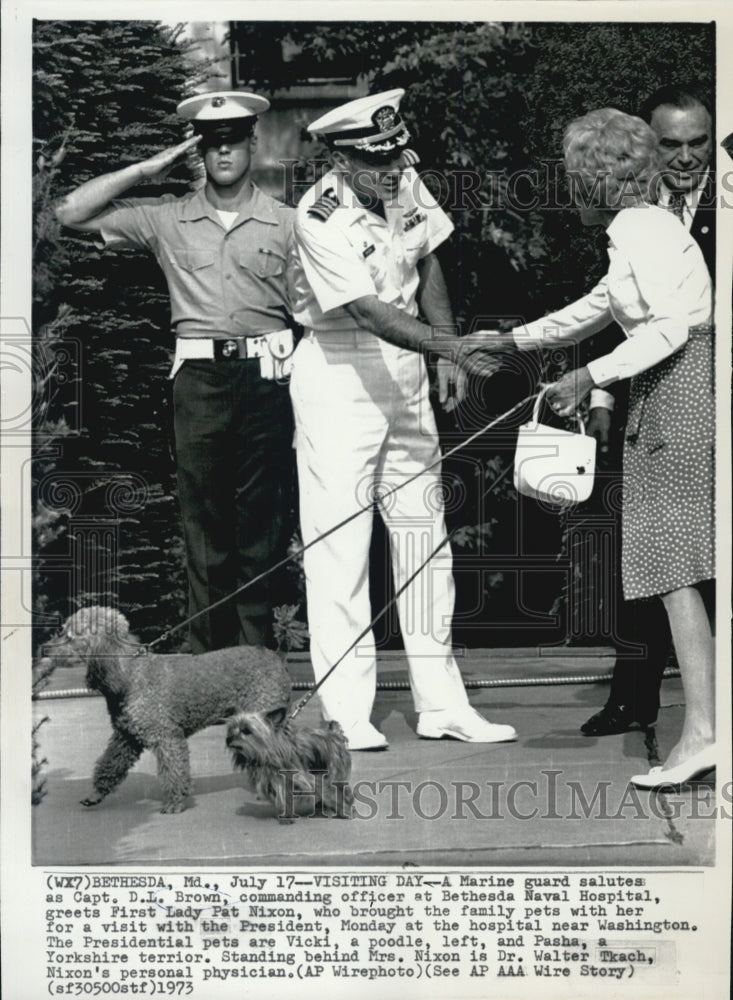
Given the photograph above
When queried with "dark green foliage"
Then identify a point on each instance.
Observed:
(42, 670)
(38, 782)
(290, 632)
(273, 55)
(105, 94)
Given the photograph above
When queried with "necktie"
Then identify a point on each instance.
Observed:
(677, 205)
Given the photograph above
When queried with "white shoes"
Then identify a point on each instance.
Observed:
(465, 724)
(363, 736)
(693, 767)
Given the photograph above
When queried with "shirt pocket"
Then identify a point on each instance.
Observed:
(377, 264)
(369, 253)
(413, 252)
(265, 263)
(192, 260)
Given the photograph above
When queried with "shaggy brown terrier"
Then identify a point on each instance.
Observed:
(285, 763)
(155, 701)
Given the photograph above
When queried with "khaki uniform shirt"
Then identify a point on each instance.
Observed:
(221, 281)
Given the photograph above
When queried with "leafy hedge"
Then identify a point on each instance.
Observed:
(106, 515)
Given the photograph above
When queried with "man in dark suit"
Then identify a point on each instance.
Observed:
(683, 123)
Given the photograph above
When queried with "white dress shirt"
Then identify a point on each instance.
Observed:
(692, 199)
(599, 397)
(355, 252)
(657, 288)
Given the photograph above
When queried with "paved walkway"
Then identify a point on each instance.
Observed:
(553, 797)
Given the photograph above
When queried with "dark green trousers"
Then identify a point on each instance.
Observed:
(233, 434)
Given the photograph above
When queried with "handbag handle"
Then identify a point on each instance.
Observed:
(538, 403)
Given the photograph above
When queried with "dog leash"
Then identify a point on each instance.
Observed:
(347, 520)
(378, 617)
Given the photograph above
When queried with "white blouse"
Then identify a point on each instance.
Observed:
(656, 288)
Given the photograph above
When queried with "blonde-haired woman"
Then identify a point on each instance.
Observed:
(659, 291)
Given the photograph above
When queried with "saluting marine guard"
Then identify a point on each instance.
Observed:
(223, 251)
(365, 236)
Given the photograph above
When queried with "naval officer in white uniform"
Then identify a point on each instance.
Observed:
(365, 236)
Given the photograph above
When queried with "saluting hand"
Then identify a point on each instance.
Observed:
(157, 167)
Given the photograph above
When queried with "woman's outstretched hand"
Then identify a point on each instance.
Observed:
(483, 352)
(490, 341)
(566, 395)
(478, 361)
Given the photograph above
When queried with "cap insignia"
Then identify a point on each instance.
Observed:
(218, 102)
(384, 118)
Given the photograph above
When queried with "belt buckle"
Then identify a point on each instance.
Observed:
(226, 350)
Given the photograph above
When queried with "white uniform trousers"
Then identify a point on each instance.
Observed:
(364, 424)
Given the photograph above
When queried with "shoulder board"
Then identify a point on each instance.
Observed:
(325, 206)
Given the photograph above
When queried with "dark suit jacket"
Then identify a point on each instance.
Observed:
(703, 224)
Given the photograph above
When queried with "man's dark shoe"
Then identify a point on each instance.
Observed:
(614, 719)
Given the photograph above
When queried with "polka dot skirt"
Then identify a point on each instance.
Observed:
(668, 519)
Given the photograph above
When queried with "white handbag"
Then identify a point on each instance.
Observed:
(554, 465)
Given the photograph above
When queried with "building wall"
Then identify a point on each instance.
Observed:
(211, 46)
(283, 137)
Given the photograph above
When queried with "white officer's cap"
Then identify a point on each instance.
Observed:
(369, 124)
(208, 109)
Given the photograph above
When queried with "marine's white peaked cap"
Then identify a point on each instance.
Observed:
(222, 104)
